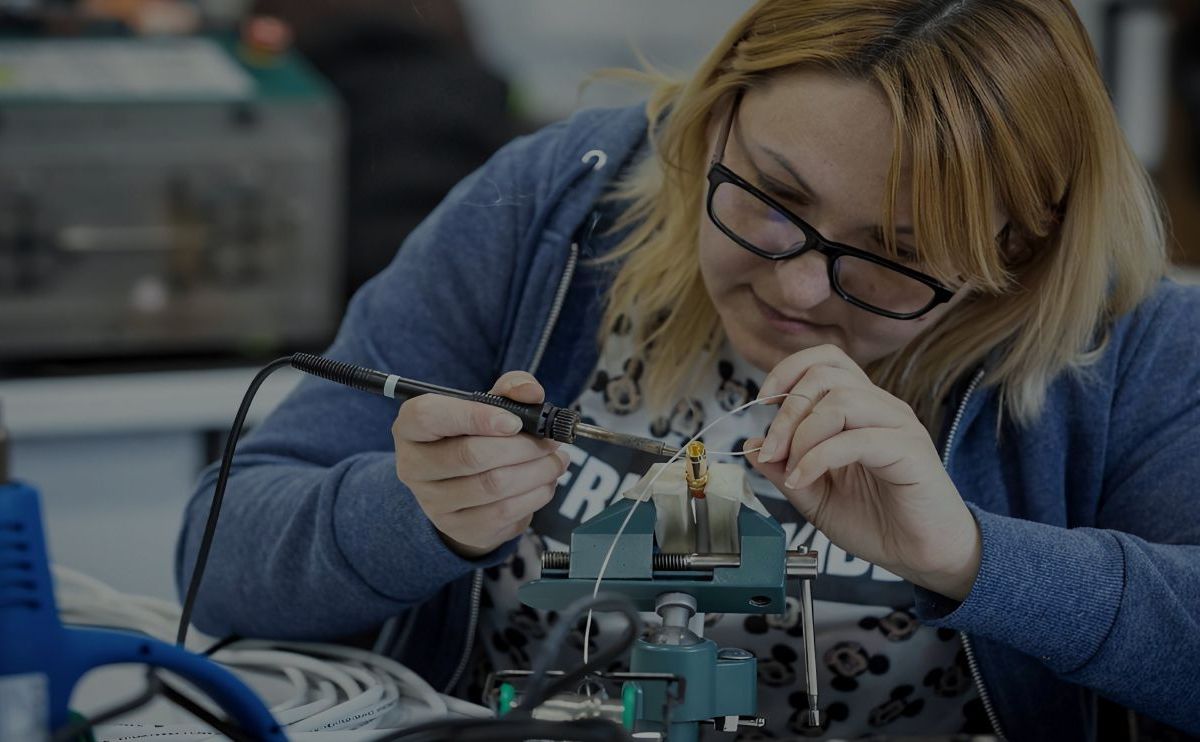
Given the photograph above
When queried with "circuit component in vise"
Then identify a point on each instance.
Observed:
(695, 471)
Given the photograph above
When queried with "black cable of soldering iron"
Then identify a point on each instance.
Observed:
(214, 510)
(361, 378)
(538, 419)
(343, 373)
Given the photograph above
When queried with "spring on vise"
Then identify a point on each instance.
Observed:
(556, 560)
(672, 562)
(667, 562)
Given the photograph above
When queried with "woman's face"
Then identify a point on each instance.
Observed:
(834, 135)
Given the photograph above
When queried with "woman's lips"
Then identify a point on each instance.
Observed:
(784, 323)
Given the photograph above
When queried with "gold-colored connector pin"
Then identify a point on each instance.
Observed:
(696, 468)
(695, 471)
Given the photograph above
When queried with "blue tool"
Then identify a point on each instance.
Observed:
(41, 660)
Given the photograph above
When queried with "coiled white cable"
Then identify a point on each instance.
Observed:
(338, 694)
(299, 684)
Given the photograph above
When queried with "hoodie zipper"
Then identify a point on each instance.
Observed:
(966, 640)
(472, 623)
(560, 297)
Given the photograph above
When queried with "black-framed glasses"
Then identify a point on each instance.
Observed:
(760, 224)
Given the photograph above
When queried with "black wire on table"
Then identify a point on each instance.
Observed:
(214, 510)
(225, 727)
(73, 730)
(539, 688)
(509, 730)
(155, 686)
(220, 644)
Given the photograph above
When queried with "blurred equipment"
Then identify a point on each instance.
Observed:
(165, 196)
(422, 111)
(1136, 37)
(1180, 179)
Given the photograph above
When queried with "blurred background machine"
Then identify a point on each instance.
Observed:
(165, 196)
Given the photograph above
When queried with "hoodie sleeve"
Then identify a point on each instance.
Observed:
(1116, 607)
(317, 536)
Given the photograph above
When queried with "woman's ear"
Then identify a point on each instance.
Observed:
(1014, 248)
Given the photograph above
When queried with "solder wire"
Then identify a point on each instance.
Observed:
(747, 452)
(587, 627)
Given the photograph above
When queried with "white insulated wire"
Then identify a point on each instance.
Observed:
(413, 684)
(300, 697)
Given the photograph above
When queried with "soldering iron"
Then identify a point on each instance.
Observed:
(541, 420)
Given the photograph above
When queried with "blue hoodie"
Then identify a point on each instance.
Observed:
(1090, 578)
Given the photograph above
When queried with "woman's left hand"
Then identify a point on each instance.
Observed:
(859, 465)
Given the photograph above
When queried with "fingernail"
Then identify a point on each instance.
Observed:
(508, 424)
(768, 452)
(793, 479)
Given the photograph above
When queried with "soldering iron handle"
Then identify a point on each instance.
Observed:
(533, 416)
(541, 420)
(368, 379)
(347, 374)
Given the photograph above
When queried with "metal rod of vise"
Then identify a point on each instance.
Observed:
(810, 654)
(802, 564)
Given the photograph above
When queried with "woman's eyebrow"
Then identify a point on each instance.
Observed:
(805, 189)
(809, 194)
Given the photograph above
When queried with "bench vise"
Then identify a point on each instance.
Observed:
(657, 566)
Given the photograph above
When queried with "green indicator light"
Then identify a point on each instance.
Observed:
(507, 695)
(629, 702)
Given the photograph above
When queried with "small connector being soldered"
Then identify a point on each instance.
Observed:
(696, 469)
(695, 472)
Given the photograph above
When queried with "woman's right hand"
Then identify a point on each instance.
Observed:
(474, 474)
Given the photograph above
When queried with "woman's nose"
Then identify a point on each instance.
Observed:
(804, 280)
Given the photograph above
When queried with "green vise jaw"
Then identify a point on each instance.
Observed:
(755, 585)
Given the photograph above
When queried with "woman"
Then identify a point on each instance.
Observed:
(918, 218)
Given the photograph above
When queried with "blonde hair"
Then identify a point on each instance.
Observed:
(993, 104)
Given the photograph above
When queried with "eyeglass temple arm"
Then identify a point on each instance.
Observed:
(719, 151)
